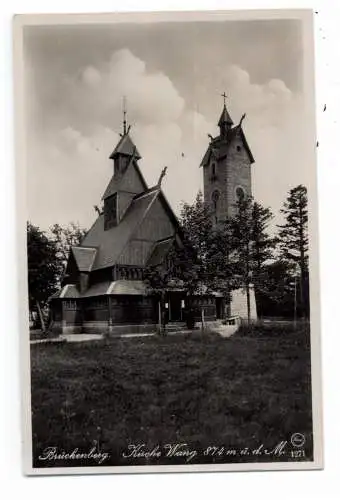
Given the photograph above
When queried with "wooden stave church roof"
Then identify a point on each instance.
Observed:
(125, 147)
(110, 244)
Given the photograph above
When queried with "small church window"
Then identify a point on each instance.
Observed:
(110, 211)
(238, 148)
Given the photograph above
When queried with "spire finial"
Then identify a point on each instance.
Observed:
(224, 95)
(161, 176)
(124, 115)
(242, 118)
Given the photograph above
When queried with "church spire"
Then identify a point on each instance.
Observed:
(125, 148)
(124, 115)
(225, 122)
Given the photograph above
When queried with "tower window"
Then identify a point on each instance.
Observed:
(213, 171)
(215, 197)
(240, 193)
(238, 148)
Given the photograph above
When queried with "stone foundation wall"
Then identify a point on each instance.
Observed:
(61, 328)
(103, 327)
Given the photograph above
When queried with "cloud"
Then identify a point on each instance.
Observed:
(94, 95)
(91, 76)
(68, 155)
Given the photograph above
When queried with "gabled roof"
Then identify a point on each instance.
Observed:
(238, 130)
(112, 242)
(84, 257)
(125, 147)
(120, 184)
(219, 146)
(97, 289)
(211, 151)
(225, 117)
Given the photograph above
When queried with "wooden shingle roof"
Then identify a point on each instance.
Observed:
(119, 287)
(112, 242)
(84, 257)
(121, 184)
(125, 147)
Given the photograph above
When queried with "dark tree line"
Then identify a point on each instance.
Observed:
(47, 255)
(239, 252)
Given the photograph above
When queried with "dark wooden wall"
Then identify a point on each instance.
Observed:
(133, 309)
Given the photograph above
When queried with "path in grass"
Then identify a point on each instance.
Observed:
(203, 391)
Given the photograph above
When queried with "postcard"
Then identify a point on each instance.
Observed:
(167, 229)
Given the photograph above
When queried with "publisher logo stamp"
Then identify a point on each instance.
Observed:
(297, 439)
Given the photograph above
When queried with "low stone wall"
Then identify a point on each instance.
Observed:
(126, 329)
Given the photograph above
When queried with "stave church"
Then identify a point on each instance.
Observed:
(103, 289)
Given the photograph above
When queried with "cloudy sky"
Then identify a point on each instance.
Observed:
(173, 75)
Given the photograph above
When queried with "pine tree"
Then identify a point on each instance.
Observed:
(211, 245)
(263, 243)
(251, 244)
(293, 239)
(196, 222)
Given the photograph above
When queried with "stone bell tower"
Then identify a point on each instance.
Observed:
(226, 178)
(226, 167)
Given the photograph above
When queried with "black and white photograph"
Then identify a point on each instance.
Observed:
(167, 194)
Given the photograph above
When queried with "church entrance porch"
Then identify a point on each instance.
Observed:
(175, 305)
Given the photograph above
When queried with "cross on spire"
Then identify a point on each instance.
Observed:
(224, 95)
(124, 115)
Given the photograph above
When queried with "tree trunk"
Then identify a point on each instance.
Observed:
(41, 317)
(302, 296)
(295, 298)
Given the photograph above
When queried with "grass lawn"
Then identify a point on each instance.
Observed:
(249, 392)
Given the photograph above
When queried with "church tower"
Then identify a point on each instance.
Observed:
(226, 168)
(126, 182)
